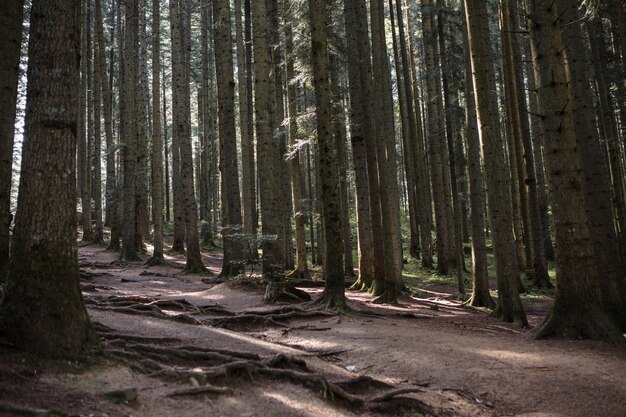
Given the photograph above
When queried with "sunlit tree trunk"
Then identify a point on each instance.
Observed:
(11, 19)
(509, 307)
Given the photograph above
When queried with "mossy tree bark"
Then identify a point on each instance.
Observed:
(509, 307)
(233, 263)
(334, 289)
(578, 310)
(42, 308)
(11, 19)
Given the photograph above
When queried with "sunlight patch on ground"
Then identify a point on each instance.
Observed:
(509, 355)
(303, 408)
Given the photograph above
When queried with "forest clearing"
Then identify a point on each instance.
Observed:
(458, 361)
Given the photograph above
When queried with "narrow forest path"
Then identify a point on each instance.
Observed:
(187, 330)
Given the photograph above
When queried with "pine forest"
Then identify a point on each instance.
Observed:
(258, 208)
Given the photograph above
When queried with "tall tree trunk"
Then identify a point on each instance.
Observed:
(481, 297)
(11, 19)
(246, 124)
(157, 145)
(354, 13)
(141, 120)
(42, 308)
(181, 40)
(437, 140)
(534, 242)
(268, 157)
(334, 289)
(233, 263)
(301, 270)
(611, 136)
(386, 286)
(596, 182)
(578, 310)
(97, 143)
(421, 166)
(509, 307)
(129, 236)
(84, 170)
(278, 116)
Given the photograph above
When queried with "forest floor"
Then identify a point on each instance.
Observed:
(183, 345)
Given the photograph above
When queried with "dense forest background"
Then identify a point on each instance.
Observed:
(471, 137)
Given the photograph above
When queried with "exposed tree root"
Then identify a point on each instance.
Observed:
(394, 393)
(155, 261)
(13, 410)
(205, 389)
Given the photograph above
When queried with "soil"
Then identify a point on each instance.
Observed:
(163, 332)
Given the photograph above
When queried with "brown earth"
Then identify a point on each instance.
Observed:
(450, 360)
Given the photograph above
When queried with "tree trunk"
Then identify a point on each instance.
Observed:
(509, 307)
(129, 236)
(157, 145)
(233, 263)
(481, 297)
(334, 289)
(11, 19)
(246, 118)
(42, 308)
(437, 140)
(301, 271)
(180, 70)
(268, 157)
(534, 239)
(578, 310)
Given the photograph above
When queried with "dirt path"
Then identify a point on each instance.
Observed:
(460, 362)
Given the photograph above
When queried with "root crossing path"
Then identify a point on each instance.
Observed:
(189, 345)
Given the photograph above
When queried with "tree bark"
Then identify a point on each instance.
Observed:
(233, 263)
(11, 19)
(42, 308)
(334, 288)
(509, 307)
(157, 143)
(577, 311)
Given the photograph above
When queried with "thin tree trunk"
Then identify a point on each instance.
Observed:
(11, 19)
(157, 145)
